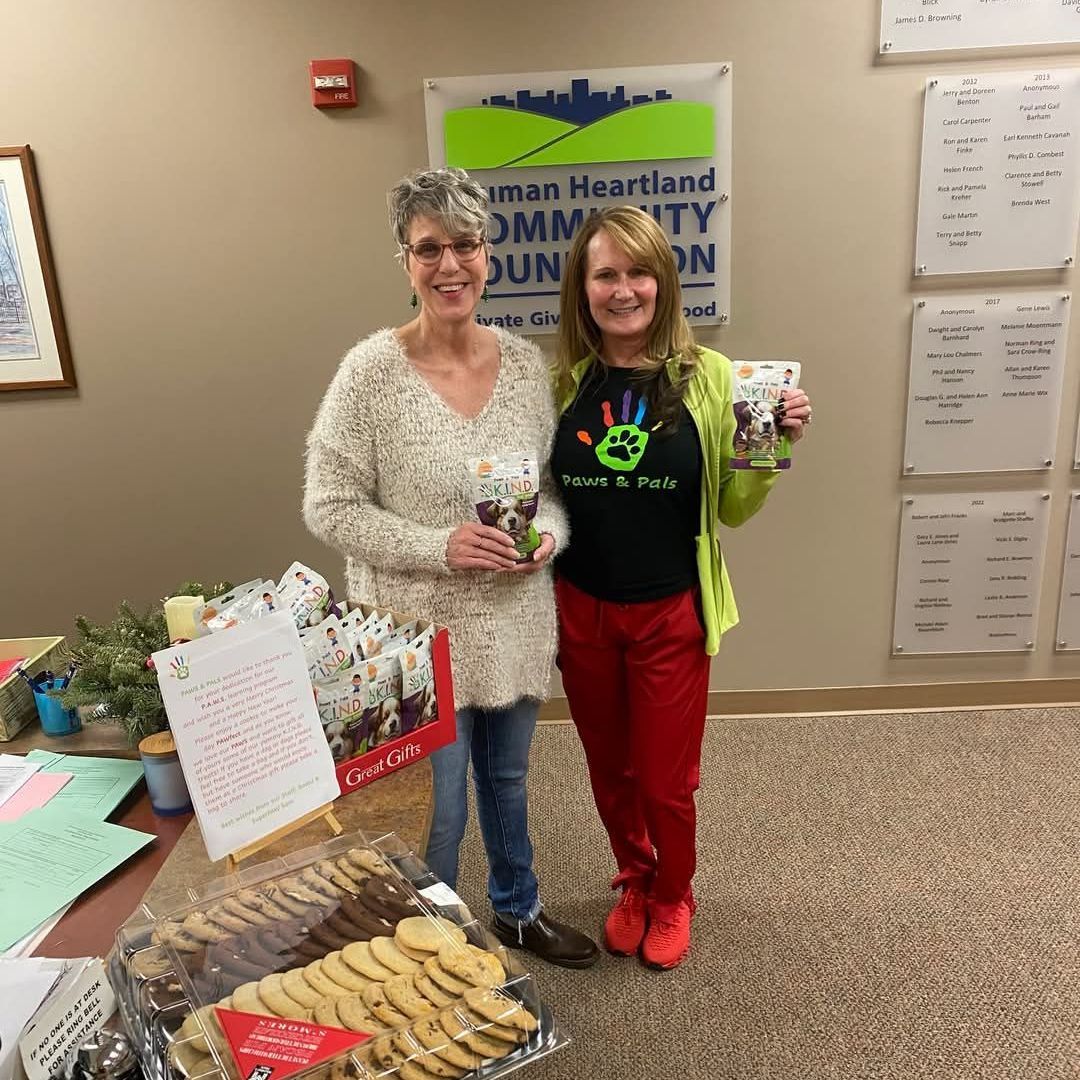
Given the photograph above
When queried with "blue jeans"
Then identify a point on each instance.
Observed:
(498, 742)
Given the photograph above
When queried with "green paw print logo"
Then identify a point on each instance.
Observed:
(179, 667)
(623, 444)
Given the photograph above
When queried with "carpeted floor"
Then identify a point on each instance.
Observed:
(891, 897)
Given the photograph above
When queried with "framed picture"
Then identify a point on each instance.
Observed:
(34, 352)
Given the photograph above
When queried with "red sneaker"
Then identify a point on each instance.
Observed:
(668, 940)
(625, 926)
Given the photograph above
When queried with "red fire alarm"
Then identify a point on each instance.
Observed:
(333, 84)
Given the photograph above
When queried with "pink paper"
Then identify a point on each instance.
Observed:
(36, 792)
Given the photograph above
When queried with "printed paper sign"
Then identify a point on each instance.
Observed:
(76, 1013)
(271, 1048)
(243, 715)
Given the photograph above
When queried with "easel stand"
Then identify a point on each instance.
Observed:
(326, 811)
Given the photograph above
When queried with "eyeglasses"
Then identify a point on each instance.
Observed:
(429, 252)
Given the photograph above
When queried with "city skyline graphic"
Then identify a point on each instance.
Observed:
(580, 106)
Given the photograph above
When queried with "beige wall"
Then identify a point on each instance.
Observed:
(219, 244)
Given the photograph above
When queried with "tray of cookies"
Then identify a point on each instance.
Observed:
(339, 962)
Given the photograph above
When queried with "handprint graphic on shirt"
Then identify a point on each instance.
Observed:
(623, 444)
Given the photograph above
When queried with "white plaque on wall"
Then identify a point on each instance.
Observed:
(1068, 624)
(927, 25)
(1000, 184)
(969, 572)
(985, 387)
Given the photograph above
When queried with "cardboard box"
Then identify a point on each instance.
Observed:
(358, 771)
(17, 707)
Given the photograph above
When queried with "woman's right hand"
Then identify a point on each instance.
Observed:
(473, 546)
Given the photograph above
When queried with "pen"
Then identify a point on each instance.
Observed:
(68, 675)
(29, 681)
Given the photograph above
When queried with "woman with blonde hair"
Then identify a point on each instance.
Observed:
(641, 456)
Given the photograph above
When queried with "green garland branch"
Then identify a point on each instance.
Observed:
(114, 680)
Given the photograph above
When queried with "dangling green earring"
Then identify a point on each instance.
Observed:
(413, 302)
(485, 295)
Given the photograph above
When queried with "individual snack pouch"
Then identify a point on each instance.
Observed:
(506, 493)
(213, 607)
(418, 705)
(326, 648)
(341, 702)
(757, 388)
(260, 601)
(369, 640)
(306, 594)
(382, 713)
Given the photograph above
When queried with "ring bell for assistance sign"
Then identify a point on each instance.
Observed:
(552, 147)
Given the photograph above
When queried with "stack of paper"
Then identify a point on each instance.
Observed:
(97, 785)
(54, 841)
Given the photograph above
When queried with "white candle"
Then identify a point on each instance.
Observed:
(180, 616)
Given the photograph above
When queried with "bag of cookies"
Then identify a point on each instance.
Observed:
(418, 705)
(757, 392)
(506, 493)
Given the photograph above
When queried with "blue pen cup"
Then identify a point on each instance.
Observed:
(55, 719)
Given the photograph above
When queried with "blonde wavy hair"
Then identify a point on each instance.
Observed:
(641, 238)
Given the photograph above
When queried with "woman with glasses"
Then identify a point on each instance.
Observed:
(387, 485)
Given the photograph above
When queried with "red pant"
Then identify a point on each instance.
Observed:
(637, 680)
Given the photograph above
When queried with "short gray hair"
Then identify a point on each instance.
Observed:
(450, 196)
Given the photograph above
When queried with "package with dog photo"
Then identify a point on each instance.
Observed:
(382, 714)
(341, 702)
(506, 493)
(757, 394)
(418, 706)
(327, 648)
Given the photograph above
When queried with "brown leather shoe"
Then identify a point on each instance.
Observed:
(552, 941)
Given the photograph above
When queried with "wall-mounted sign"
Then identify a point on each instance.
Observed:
(969, 572)
(1000, 184)
(550, 147)
(928, 25)
(985, 387)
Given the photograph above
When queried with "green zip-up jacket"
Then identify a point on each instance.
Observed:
(728, 496)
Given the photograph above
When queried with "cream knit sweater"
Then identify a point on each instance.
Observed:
(386, 485)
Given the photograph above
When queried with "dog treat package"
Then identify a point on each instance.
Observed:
(418, 705)
(327, 648)
(307, 595)
(212, 608)
(757, 396)
(260, 601)
(341, 702)
(382, 714)
(371, 635)
(506, 492)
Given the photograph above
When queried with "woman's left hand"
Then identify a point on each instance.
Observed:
(539, 557)
(797, 414)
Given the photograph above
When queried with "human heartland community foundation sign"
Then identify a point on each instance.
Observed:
(552, 147)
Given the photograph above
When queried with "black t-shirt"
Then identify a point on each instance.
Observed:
(632, 493)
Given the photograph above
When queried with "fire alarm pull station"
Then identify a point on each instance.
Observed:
(333, 84)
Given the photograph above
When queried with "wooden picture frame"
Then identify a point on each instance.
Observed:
(34, 352)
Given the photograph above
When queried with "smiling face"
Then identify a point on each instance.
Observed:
(449, 289)
(620, 292)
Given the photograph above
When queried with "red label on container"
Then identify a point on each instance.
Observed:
(272, 1048)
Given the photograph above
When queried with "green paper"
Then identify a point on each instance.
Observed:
(97, 786)
(51, 856)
